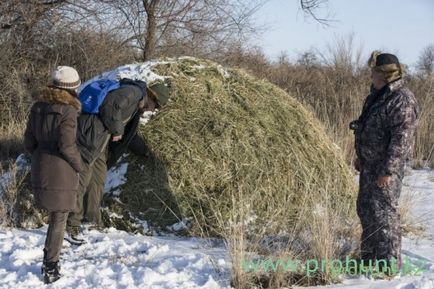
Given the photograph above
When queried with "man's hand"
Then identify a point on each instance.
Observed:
(116, 138)
(384, 181)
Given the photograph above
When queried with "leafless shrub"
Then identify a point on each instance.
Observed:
(425, 63)
(11, 182)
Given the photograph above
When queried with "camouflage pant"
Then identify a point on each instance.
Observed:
(378, 212)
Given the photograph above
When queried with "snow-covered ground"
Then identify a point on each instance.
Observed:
(418, 250)
(116, 259)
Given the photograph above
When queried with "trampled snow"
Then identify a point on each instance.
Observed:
(116, 259)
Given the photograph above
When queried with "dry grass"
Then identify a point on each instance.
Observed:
(414, 221)
(12, 182)
(410, 224)
(423, 88)
(318, 233)
(11, 139)
(17, 204)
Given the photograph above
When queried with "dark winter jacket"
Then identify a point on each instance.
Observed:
(131, 140)
(92, 137)
(385, 132)
(94, 131)
(50, 137)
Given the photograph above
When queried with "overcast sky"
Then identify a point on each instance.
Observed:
(403, 27)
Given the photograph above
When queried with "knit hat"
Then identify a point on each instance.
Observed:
(65, 77)
(387, 65)
(161, 92)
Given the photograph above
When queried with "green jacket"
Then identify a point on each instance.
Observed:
(94, 131)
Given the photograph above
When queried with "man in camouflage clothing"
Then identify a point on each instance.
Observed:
(384, 138)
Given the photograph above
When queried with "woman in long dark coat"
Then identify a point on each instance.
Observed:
(50, 138)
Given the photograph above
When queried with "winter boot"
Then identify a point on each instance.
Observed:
(73, 236)
(51, 273)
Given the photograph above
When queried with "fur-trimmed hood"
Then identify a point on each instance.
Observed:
(56, 95)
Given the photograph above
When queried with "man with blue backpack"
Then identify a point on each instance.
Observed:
(108, 126)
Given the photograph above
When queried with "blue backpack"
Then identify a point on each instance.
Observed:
(93, 95)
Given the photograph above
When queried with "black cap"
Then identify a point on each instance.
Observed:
(386, 58)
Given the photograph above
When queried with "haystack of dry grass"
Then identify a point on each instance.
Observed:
(243, 160)
(229, 140)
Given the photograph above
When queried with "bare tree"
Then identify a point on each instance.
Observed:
(18, 12)
(425, 63)
(24, 23)
(311, 8)
(343, 54)
(157, 25)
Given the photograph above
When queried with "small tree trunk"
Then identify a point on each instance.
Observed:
(151, 27)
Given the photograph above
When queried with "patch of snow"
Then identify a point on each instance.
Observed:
(198, 67)
(22, 162)
(147, 115)
(181, 225)
(115, 215)
(115, 259)
(137, 71)
(188, 58)
(7, 178)
(142, 223)
(115, 179)
(420, 187)
(223, 71)
(417, 251)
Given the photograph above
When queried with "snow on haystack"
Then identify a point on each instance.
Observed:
(138, 71)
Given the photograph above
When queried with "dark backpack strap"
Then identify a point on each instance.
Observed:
(139, 83)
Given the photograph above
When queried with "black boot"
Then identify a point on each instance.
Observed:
(51, 273)
(73, 236)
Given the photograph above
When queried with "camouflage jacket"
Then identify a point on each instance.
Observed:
(385, 131)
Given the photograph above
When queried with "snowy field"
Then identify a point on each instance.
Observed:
(116, 259)
(419, 250)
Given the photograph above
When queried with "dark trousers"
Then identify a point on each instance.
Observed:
(54, 239)
(90, 192)
(377, 209)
